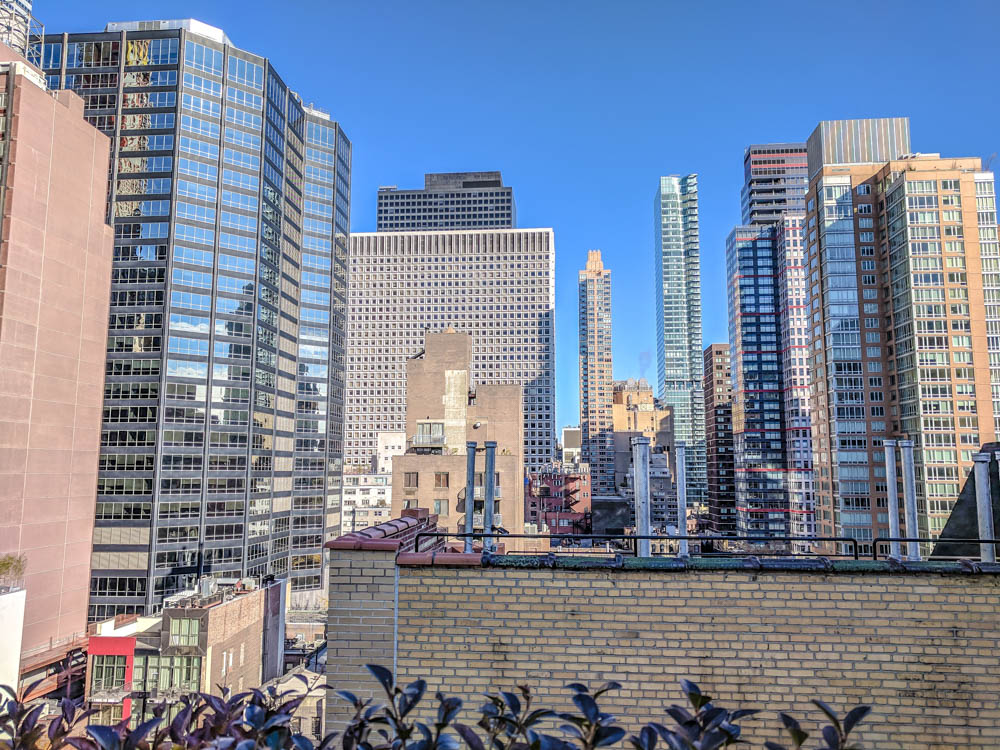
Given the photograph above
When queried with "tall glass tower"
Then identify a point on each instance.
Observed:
(221, 445)
(677, 278)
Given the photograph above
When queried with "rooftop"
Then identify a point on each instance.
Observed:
(188, 24)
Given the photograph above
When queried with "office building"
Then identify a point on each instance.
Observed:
(55, 273)
(222, 442)
(448, 408)
(367, 501)
(774, 181)
(496, 285)
(901, 254)
(206, 640)
(718, 388)
(595, 372)
(572, 444)
(677, 280)
(450, 200)
(636, 412)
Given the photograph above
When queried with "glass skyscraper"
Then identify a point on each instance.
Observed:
(222, 438)
(677, 277)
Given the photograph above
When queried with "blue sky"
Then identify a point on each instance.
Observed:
(583, 105)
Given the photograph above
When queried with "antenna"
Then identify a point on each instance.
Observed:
(989, 161)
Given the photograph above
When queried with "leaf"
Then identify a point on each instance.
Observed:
(571, 730)
(832, 737)
(831, 714)
(447, 742)
(608, 736)
(299, 742)
(647, 735)
(254, 715)
(854, 716)
(246, 745)
(31, 719)
(383, 675)
(794, 730)
(138, 734)
(587, 706)
(713, 740)
(742, 712)
(606, 687)
(680, 715)
(448, 709)
(512, 702)
(469, 736)
(577, 687)
(105, 737)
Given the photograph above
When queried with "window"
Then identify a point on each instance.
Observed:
(184, 631)
(411, 479)
(107, 672)
(441, 507)
(440, 479)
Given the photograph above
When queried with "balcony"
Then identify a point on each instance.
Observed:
(110, 691)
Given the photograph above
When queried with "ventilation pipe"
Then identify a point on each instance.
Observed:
(640, 470)
(893, 493)
(682, 500)
(489, 492)
(910, 499)
(470, 492)
(984, 506)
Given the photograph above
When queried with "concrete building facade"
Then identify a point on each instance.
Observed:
(449, 200)
(446, 408)
(594, 310)
(718, 388)
(497, 286)
(55, 276)
(223, 415)
(677, 295)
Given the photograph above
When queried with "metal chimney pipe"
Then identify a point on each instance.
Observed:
(489, 492)
(682, 500)
(910, 499)
(984, 505)
(470, 491)
(893, 496)
(640, 470)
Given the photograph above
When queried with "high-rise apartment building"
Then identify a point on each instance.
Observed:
(766, 291)
(449, 200)
(221, 450)
(595, 373)
(905, 330)
(677, 277)
(774, 181)
(792, 299)
(572, 444)
(496, 285)
(770, 413)
(718, 388)
(55, 273)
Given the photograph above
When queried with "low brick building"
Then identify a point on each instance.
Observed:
(917, 641)
(445, 409)
(558, 499)
(230, 637)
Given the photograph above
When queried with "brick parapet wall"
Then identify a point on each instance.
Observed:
(920, 645)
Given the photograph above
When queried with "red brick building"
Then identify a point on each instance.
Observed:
(558, 499)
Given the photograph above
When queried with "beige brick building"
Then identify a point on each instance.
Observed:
(918, 645)
(445, 409)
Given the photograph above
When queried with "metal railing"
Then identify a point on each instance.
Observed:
(629, 543)
(887, 540)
